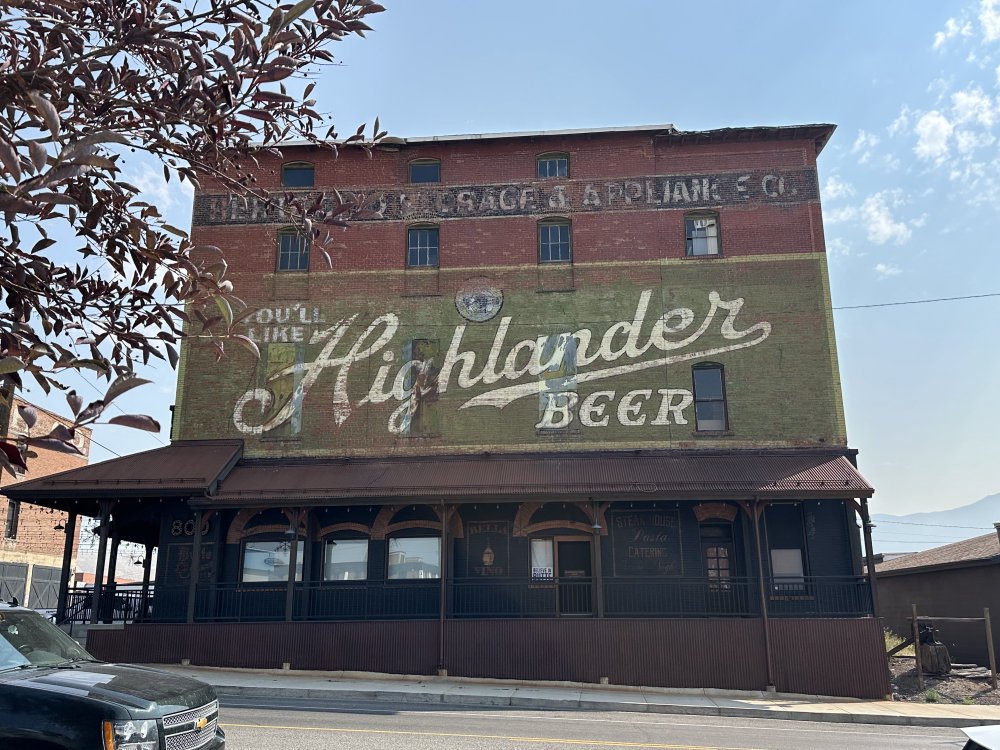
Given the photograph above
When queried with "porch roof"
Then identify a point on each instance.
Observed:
(683, 474)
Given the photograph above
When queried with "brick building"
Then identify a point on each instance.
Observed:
(34, 537)
(561, 405)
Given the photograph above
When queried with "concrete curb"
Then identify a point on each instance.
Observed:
(516, 701)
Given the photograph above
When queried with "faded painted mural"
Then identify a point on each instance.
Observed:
(495, 363)
(529, 198)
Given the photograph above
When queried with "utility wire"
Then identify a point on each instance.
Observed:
(936, 525)
(916, 301)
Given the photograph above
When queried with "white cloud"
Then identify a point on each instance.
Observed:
(156, 190)
(838, 248)
(973, 104)
(863, 144)
(998, 75)
(885, 270)
(968, 141)
(933, 131)
(835, 188)
(902, 123)
(952, 28)
(989, 19)
(839, 215)
(882, 228)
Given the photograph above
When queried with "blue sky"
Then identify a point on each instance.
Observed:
(910, 181)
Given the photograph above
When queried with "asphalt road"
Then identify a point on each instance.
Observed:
(310, 725)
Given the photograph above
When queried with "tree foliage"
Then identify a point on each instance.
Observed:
(92, 276)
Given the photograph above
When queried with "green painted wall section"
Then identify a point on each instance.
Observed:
(323, 386)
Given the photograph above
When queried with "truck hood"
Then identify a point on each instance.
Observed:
(137, 688)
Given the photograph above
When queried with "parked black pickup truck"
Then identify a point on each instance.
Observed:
(56, 696)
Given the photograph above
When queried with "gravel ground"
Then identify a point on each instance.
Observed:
(950, 688)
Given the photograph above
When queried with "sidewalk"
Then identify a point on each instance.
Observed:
(353, 686)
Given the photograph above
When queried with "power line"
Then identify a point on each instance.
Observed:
(936, 525)
(917, 301)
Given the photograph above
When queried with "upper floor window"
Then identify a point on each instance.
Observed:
(709, 396)
(297, 174)
(293, 251)
(422, 246)
(702, 234)
(425, 170)
(554, 241)
(414, 557)
(13, 512)
(345, 560)
(553, 165)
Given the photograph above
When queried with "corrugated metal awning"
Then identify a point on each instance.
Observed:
(673, 474)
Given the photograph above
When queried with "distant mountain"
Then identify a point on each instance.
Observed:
(919, 531)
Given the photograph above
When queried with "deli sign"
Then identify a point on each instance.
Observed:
(511, 370)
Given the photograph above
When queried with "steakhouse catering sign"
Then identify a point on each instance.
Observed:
(572, 375)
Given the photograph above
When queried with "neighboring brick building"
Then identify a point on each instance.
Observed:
(562, 399)
(31, 548)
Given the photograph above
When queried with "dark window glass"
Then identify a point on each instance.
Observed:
(293, 252)
(709, 397)
(425, 172)
(702, 234)
(554, 243)
(554, 165)
(13, 511)
(297, 175)
(422, 248)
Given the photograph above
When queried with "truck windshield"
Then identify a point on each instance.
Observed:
(27, 638)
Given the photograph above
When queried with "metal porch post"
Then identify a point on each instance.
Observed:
(147, 564)
(109, 602)
(293, 556)
(444, 586)
(866, 525)
(195, 566)
(102, 551)
(763, 594)
(598, 583)
(70, 531)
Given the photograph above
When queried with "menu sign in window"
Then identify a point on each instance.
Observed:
(646, 542)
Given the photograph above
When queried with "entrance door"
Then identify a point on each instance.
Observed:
(575, 586)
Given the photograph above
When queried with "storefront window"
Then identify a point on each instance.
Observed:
(414, 557)
(268, 561)
(345, 560)
(542, 559)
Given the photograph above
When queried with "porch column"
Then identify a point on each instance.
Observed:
(102, 552)
(866, 525)
(763, 594)
(195, 566)
(147, 564)
(70, 531)
(598, 576)
(293, 554)
(444, 586)
(109, 592)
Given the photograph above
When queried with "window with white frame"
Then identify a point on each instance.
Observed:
(702, 234)
(293, 251)
(553, 165)
(422, 247)
(555, 241)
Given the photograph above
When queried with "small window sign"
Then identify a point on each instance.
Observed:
(541, 572)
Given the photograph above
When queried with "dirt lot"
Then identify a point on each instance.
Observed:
(950, 688)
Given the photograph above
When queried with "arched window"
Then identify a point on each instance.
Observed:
(293, 250)
(422, 242)
(555, 241)
(297, 174)
(425, 170)
(553, 164)
(709, 397)
(701, 232)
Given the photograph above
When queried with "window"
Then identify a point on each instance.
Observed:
(425, 170)
(13, 511)
(422, 246)
(553, 165)
(293, 251)
(268, 561)
(414, 557)
(345, 560)
(717, 548)
(297, 174)
(554, 245)
(702, 233)
(709, 397)
(542, 560)
(784, 527)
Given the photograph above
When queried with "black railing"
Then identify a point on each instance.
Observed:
(119, 603)
(493, 597)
